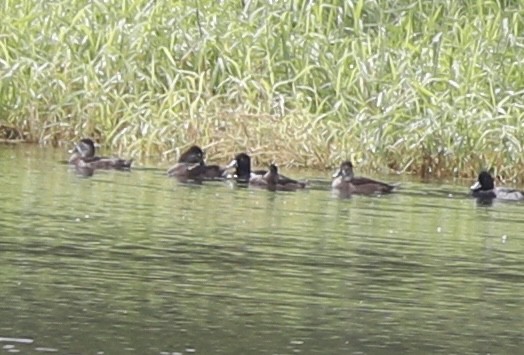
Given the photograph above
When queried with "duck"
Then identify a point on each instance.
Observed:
(260, 177)
(243, 172)
(272, 181)
(484, 188)
(191, 166)
(346, 182)
(83, 156)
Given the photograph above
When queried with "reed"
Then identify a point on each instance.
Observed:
(412, 86)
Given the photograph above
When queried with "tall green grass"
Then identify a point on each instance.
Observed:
(421, 86)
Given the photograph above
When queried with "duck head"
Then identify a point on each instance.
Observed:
(345, 171)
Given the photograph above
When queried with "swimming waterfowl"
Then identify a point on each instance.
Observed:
(275, 182)
(193, 155)
(484, 188)
(244, 174)
(84, 157)
(345, 181)
(191, 166)
(280, 182)
(242, 165)
(268, 180)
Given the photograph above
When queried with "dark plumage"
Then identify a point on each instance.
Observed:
(83, 156)
(193, 155)
(484, 188)
(271, 177)
(346, 182)
(242, 165)
(191, 166)
(277, 182)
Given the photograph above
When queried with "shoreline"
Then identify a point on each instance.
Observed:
(419, 88)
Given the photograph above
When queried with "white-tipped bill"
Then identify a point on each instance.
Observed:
(475, 186)
(232, 164)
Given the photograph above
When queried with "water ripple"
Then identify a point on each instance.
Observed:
(209, 268)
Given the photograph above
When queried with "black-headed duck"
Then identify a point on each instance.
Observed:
(242, 165)
(346, 182)
(269, 179)
(191, 166)
(192, 155)
(244, 174)
(84, 157)
(484, 188)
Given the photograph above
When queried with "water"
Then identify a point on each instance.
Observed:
(138, 263)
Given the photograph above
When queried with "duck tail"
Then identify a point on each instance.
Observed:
(304, 183)
(126, 164)
(393, 187)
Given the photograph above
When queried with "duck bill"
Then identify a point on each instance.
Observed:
(475, 186)
(337, 174)
(232, 164)
(193, 166)
(76, 149)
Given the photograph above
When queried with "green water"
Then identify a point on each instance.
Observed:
(139, 263)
